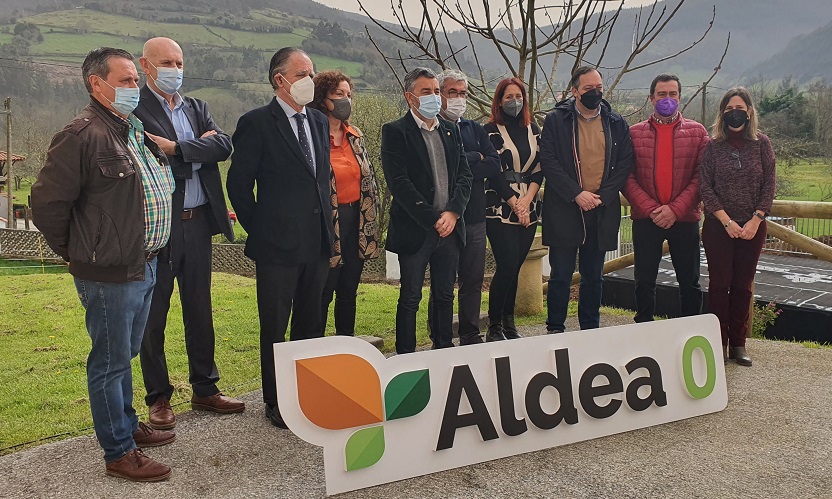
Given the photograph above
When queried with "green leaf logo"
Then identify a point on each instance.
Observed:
(407, 394)
(365, 447)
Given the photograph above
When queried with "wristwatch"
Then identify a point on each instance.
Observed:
(177, 150)
(757, 214)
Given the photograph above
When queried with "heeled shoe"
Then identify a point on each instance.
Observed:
(741, 356)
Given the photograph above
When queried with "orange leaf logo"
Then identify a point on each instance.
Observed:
(340, 391)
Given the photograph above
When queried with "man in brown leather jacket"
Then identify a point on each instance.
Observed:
(103, 203)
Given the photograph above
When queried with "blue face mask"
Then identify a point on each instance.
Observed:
(127, 99)
(168, 80)
(430, 105)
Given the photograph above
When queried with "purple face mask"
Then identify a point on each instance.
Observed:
(667, 107)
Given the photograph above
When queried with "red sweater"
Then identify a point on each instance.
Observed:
(664, 161)
(689, 141)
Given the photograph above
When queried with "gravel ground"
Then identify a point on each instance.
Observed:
(773, 440)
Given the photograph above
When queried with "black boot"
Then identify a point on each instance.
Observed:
(495, 332)
(509, 329)
(741, 356)
(470, 339)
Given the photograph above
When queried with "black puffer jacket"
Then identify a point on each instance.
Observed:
(563, 219)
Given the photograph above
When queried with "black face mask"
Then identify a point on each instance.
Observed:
(592, 99)
(735, 118)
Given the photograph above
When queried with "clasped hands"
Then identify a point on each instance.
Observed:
(520, 207)
(446, 223)
(588, 200)
(747, 231)
(663, 216)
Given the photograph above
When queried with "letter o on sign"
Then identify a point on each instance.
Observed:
(701, 343)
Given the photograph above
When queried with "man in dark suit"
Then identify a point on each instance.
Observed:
(186, 133)
(283, 147)
(427, 171)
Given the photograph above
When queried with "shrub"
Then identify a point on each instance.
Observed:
(763, 317)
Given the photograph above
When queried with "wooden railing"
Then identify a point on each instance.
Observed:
(780, 208)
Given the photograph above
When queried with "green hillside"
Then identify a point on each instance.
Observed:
(68, 35)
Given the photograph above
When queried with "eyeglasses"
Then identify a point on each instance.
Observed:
(736, 155)
(453, 94)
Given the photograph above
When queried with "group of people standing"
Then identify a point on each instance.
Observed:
(131, 194)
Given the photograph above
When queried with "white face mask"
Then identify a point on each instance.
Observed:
(456, 108)
(302, 91)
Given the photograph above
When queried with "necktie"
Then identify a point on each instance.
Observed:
(304, 141)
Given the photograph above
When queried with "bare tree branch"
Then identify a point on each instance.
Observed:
(716, 70)
(384, 57)
(648, 35)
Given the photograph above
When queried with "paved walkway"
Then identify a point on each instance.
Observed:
(773, 440)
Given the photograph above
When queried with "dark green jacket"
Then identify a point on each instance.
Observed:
(407, 170)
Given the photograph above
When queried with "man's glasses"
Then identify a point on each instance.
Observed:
(736, 155)
(453, 94)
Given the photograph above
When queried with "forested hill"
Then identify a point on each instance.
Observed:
(229, 42)
(805, 58)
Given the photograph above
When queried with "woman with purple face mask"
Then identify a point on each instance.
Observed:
(736, 182)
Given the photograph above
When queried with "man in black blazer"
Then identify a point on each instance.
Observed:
(186, 133)
(428, 174)
(283, 147)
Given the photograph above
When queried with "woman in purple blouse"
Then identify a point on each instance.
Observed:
(736, 182)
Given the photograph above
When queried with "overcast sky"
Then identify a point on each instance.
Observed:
(381, 8)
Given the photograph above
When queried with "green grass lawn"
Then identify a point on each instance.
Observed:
(71, 44)
(45, 345)
(811, 177)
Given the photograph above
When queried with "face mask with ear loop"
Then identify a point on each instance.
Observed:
(302, 91)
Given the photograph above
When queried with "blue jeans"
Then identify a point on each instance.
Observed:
(443, 256)
(116, 314)
(590, 266)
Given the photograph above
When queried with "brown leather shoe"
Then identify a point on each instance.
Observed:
(217, 403)
(160, 416)
(146, 436)
(137, 467)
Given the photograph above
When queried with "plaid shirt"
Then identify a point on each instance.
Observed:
(157, 181)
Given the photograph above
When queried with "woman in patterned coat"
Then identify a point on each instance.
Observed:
(355, 193)
(512, 202)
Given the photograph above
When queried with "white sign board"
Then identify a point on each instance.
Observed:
(380, 420)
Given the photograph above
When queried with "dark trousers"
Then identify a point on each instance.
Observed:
(283, 290)
(343, 280)
(510, 245)
(683, 240)
(590, 266)
(732, 264)
(443, 256)
(470, 275)
(193, 275)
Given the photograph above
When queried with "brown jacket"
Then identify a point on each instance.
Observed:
(88, 200)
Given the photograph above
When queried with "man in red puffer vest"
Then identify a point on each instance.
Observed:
(663, 190)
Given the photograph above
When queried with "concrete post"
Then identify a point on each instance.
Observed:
(529, 299)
